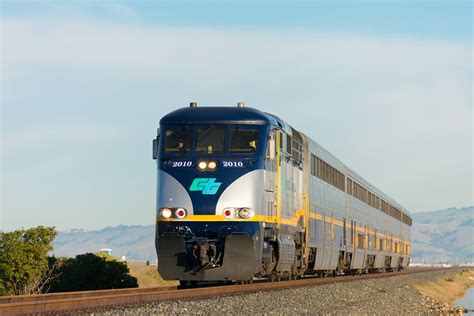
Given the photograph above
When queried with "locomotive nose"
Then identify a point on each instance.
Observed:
(222, 236)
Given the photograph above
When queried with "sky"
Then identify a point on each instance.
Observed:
(386, 86)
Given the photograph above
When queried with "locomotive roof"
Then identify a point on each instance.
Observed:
(219, 114)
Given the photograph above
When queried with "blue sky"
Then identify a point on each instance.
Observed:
(386, 86)
(435, 19)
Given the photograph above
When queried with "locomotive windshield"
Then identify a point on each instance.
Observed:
(244, 140)
(178, 138)
(211, 138)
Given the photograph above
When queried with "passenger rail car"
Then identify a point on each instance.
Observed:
(240, 193)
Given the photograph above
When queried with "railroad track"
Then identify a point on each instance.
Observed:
(86, 300)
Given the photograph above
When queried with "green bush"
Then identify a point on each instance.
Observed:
(91, 272)
(24, 265)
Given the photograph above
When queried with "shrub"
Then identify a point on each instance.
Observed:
(91, 272)
(24, 260)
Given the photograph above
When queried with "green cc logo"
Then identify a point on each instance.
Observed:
(208, 186)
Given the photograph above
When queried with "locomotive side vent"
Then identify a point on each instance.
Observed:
(271, 209)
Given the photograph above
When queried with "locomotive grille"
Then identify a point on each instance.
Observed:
(271, 212)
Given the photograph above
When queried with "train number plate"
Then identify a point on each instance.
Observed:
(232, 164)
(178, 164)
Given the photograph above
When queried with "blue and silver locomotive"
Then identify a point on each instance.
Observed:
(241, 194)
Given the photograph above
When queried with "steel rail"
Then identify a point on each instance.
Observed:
(87, 300)
(64, 295)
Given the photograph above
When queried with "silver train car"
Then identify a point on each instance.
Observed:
(242, 194)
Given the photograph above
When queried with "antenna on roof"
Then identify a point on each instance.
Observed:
(193, 105)
(240, 104)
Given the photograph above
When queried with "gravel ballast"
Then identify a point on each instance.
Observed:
(393, 295)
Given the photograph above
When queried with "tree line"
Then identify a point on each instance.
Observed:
(26, 268)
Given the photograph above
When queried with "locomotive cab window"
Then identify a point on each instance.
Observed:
(210, 139)
(244, 140)
(178, 139)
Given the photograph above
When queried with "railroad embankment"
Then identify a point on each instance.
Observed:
(389, 296)
(448, 288)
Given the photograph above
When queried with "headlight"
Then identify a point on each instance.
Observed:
(245, 213)
(166, 213)
(212, 165)
(180, 213)
(202, 165)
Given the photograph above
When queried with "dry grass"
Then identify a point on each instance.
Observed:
(147, 275)
(449, 287)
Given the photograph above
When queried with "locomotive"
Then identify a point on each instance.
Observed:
(242, 194)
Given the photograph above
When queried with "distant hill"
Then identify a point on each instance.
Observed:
(443, 236)
(438, 236)
(134, 242)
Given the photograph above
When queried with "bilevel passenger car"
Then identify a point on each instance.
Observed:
(242, 194)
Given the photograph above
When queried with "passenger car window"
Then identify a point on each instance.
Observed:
(178, 139)
(244, 140)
